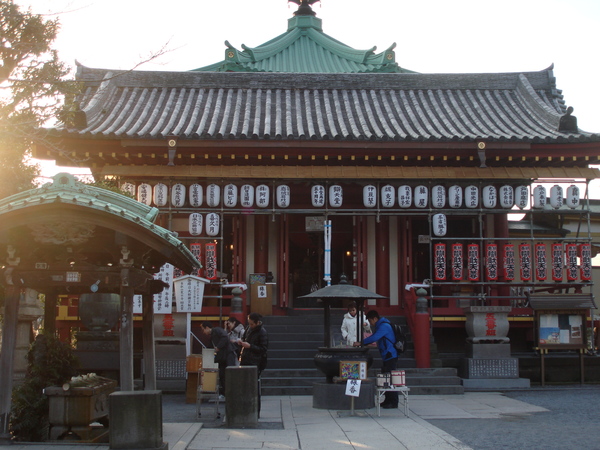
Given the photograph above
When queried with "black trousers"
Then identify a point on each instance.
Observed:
(391, 398)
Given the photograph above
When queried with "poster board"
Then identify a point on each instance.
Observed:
(561, 329)
(353, 370)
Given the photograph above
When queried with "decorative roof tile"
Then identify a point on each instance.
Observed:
(524, 107)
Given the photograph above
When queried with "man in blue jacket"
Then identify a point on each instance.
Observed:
(383, 333)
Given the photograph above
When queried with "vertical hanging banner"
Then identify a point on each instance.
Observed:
(572, 268)
(210, 261)
(525, 257)
(491, 264)
(508, 264)
(541, 266)
(473, 262)
(557, 262)
(138, 307)
(586, 261)
(163, 301)
(196, 249)
(457, 262)
(439, 264)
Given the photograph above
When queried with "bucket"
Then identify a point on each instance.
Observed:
(398, 377)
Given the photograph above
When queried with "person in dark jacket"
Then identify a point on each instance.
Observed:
(225, 354)
(254, 347)
(383, 334)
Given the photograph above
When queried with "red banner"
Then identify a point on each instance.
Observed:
(586, 261)
(439, 265)
(509, 262)
(473, 262)
(210, 268)
(491, 265)
(525, 256)
(541, 266)
(457, 262)
(557, 262)
(572, 267)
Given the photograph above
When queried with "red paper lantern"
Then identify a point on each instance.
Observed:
(473, 262)
(541, 272)
(557, 262)
(439, 265)
(525, 256)
(509, 262)
(491, 266)
(572, 268)
(457, 262)
(586, 261)
(210, 262)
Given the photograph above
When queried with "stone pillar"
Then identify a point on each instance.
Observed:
(136, 420)
(241, 397)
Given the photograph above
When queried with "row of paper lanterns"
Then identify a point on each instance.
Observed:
(405, 196)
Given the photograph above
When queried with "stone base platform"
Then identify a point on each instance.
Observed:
(496, 383)
(333, 396)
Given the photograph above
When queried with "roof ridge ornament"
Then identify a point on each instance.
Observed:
(305, 7)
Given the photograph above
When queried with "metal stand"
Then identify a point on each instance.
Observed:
(400, 389)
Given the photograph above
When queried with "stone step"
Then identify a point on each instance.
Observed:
(286, 390)
(437, 390)
(429, 381)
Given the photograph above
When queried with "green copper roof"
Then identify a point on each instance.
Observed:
(304, 48)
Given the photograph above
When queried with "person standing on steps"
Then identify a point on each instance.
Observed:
(383, 334)
(350, 325)
(254, 347)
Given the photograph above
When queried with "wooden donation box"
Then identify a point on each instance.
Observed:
(75, 405)
(261, 294)
(193, 365)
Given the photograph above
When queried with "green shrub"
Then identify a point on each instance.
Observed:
(50, 363)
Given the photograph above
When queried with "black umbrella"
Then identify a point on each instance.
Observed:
(342, 291)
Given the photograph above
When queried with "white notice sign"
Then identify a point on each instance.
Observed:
(353, 388)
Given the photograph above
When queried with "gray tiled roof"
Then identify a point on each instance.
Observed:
(378, 107)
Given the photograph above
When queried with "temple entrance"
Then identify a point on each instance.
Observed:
(306, 256)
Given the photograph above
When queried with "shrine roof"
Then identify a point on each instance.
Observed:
(517, 107)
(68, 203)
(305, 48)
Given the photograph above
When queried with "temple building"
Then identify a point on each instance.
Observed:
(290, 164)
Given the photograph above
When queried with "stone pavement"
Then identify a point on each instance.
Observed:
(290, 422)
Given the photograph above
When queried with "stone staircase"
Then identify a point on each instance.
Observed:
(293, 343)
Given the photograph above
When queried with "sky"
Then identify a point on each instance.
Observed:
(431, 36)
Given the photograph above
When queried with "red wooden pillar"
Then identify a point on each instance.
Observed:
(261, 243)
(382, 257)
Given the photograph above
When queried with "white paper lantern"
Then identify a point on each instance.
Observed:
(212, 224)
(129, 188)
(369, 196)
(472, 197)
(438, 196)
(262, 195)
(490, 196)
(195, 224)
(178, 195)
(195, 192)
(556, 196)
(573, 196)
(507, 196)
(439, 224)
(317, 196)
(522, 196)
(388, 196)
(160, 194)
(213, 195)
(144, 194)
(421, 196)
(247, 196)
(404, 196)
(283, 196)
(230, 195)
(336, 196)
(539, 197)
(455, 196)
